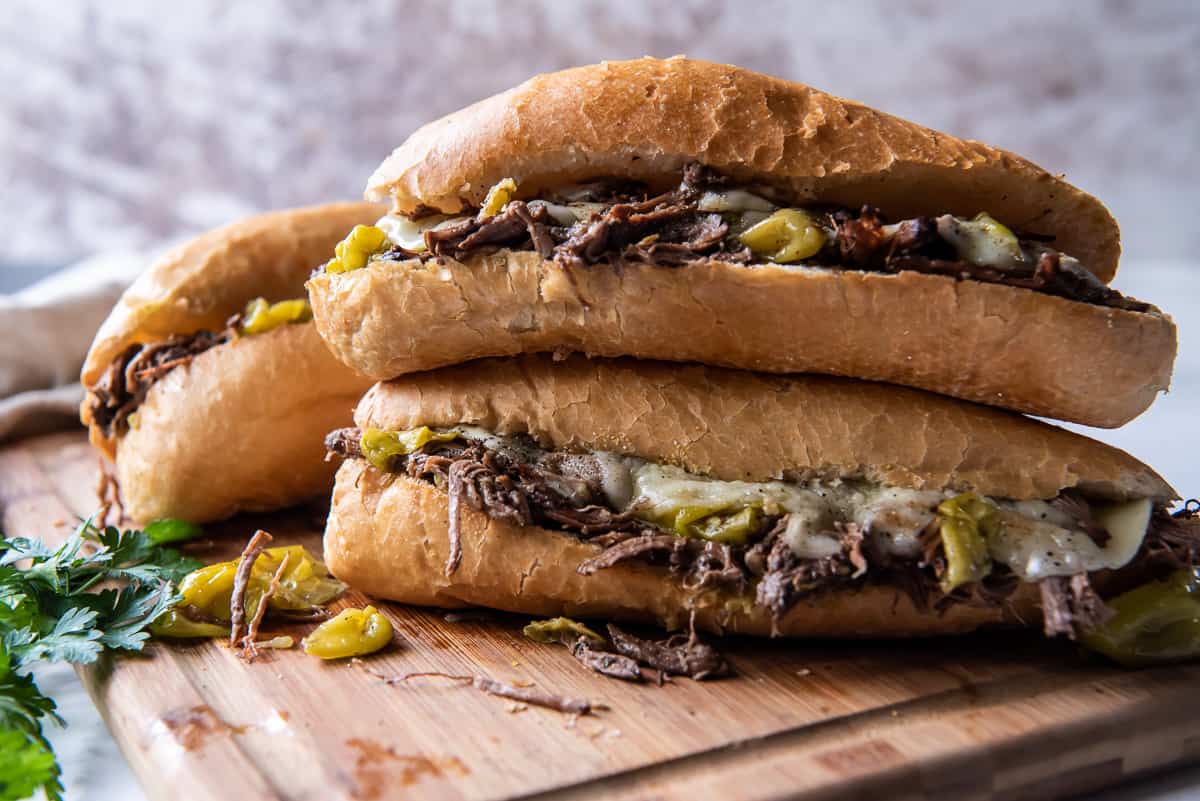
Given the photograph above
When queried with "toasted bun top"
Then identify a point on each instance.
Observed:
(202, 283)
(737, 425)
(646, 119)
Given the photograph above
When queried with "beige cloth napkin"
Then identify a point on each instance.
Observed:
(45, 332)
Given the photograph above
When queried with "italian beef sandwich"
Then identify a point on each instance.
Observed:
(687, 211)
(759, 504)
(208, 384)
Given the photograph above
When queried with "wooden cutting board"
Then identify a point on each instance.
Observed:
(999, 716)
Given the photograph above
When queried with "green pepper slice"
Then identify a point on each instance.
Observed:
(260, 316)
(965, 523)
(1154, 624)
(380, 447)
(560, 629)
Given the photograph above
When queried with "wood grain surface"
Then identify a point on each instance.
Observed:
(996, 716)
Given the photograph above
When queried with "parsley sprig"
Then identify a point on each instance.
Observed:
(55, 610)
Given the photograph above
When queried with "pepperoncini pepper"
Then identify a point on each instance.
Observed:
(353, 252)
(786, 236)
(380, 447)
(260, 316)
(305, 584)
(965, 522)
(175, 624)
(354, 632)
(731, 529)
(560, 629)
(1155, 623)
(498, 197)
(713, 523)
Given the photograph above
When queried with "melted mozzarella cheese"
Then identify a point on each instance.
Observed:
(660, 488)
(1036, 549)
(896, 517)
(1036, 539)
(410, 234)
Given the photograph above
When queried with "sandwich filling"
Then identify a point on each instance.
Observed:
(113, 400)
(707, 217)
(773, 544)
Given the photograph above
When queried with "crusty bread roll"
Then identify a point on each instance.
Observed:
(387, 534)
(204, 281)
(645, 119)
(989, 343)
(239, 428)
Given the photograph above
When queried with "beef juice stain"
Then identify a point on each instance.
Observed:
(192, 727)
(378, 767)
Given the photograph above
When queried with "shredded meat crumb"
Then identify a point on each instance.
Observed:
(527, 695)
(678, 655)
(241, 580)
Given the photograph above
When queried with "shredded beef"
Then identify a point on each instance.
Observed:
(788, 578)
(1070, 606)
(1081, 512)
(670, 230)
(344, 443)
(124, 384)
(1173, 541)
(636, 548)
(616, 666)
(678, 655)
(560, 490)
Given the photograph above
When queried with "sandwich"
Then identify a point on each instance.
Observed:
(209, 386)
(753, 504)
(687, 211)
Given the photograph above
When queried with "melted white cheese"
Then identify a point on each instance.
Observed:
(1036, 549)
(660, 488)
(733, 200)
(410, 234)
(1035, 540)
(981, 241)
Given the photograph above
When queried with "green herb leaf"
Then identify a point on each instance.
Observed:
(170, 530)
(26, 764)
(53, 610)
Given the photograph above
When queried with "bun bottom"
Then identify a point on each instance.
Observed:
(239, 429)
(387, 536)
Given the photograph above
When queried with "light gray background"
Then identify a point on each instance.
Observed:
(124, 124)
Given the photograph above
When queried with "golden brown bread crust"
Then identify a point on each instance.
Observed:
(645, 119)
(737, 425)
(202, 283)
(241, 428)
(386, 537)
(994, 344)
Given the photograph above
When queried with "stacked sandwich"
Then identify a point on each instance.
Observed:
(672, 341)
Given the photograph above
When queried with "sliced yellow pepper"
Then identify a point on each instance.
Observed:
(966, 520)
(354, 632)
(381, 448)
